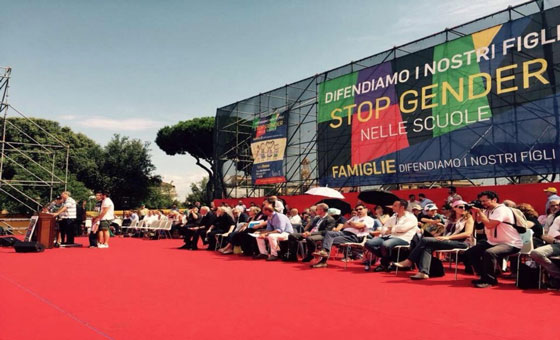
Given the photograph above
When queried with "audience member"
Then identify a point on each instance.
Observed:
(278, 228)
(192, 234)
(354, 230)
(542, 255)
(432, 223)
(224, 223)
(234, 238)
(321, 224)
(502, 239)
(423, 200)
(453, 196)
(552, 194)
(398, 231)
(457, 232)
(412, 203)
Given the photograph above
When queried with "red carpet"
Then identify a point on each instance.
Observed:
(140, 289)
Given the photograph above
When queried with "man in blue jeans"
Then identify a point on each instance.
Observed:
(398, 230)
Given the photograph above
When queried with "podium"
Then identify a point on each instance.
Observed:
(46, 230)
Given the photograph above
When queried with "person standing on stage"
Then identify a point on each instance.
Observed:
(106, 216)
(67, 216)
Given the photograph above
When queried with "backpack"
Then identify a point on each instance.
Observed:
(520, 222)
(436, 268)
(528, 278)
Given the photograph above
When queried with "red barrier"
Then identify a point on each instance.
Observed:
(520, 193)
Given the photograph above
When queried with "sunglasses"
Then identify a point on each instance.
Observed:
(358, 209)
(460, 207)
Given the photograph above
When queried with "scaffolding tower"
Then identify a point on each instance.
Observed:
(37, 160)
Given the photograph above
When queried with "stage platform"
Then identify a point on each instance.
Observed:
(146, 289)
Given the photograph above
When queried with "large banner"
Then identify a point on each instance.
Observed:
(268, 147)
(484, 105)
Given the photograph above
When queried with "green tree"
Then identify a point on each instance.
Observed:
(127, 171)
(195, 137)
(198, 192)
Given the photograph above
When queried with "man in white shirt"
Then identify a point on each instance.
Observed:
(502, 238)
(453, 195)
(397, 231)
(241, 206)
(353, 231)
(67, 216)
(105, 217)
(542, 255)
(412, 202)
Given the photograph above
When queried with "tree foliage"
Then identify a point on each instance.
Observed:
(194, 137)
(123, 167)
(126, 170)
(198, 193)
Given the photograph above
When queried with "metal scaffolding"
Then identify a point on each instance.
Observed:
(20, 151)
(233, 130)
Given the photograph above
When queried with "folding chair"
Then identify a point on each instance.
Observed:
(398, 248)
(456, 251)
(354, 245)
(527, 238)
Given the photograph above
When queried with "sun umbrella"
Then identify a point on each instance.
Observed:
(344, 207)
(325, 191)
(378, 197)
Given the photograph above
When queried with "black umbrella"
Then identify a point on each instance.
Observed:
(378, 197)
(344, 207)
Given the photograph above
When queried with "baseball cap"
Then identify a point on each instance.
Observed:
(429, 207)
(416, 206)
(551, 189)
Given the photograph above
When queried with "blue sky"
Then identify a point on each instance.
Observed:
(132, 67)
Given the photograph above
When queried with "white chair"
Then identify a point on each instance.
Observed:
(527, 238)
(456, 251)
(398, 248)
(166, 228)
(348, 246)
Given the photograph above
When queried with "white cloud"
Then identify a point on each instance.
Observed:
(448, 14)
(129, 124)
(68, 117)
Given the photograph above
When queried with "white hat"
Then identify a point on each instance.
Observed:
(430, 206)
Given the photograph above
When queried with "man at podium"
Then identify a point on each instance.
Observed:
(67, 216)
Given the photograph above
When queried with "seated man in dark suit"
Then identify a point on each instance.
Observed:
(314, 232)
(192, 234)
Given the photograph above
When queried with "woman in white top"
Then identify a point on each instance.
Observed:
(457, 234)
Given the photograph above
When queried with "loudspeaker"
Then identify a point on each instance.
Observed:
(8, 241)
(29, 247)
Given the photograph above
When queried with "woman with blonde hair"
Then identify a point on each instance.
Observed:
(458, 232)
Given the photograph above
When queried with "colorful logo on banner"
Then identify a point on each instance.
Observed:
(483, 105)
(268, 147)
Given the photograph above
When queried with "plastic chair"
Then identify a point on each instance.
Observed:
(353, 245)
(527, 238)
(398, 248)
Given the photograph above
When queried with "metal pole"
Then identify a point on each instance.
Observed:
(52, 176)
(66, 174)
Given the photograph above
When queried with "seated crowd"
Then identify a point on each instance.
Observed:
(485, 232)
